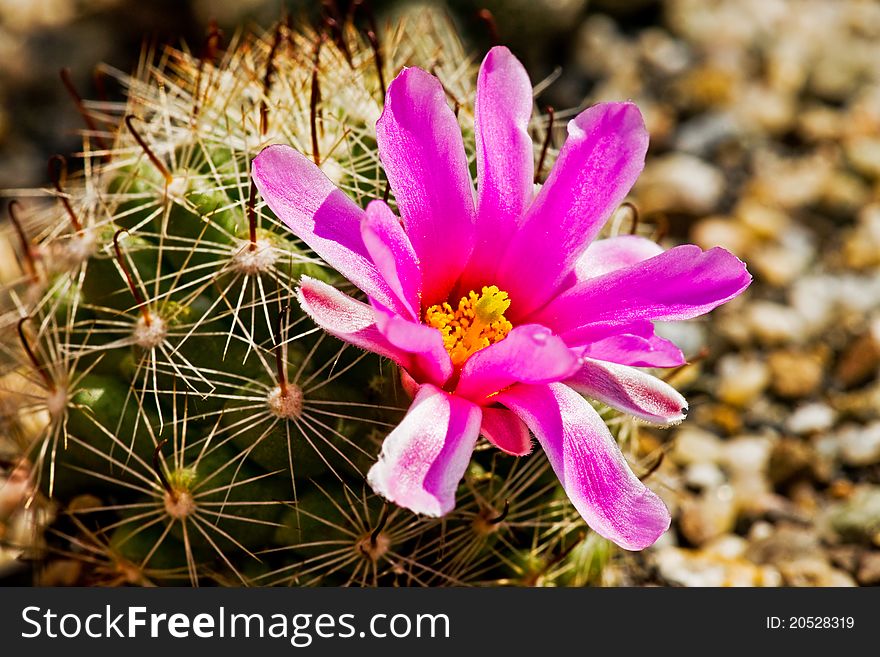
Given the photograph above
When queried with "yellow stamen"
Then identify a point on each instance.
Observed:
(477, 322)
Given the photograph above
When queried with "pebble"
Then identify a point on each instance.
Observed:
(861, 248)
(816, 572)
(767, 222)
(857, 519)
(705, 475)
(741, 379)
(860, 445)
(811, 418)
(724, 232)
(790, 459)
(708, 516)
(795, 374)
(774, 323)
(868, 573)
(779, 264)
(860, 360)
(679, 183)
(701, 568)
(695, 445)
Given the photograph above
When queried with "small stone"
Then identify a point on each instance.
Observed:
(813, 573)
(789, 182)
(857, 519)
(702, 134)
(679, 183)
(861, 247)
(811, 418)
(700, 568)
(846, 557)
(859, 362)
(742, 379)
(746, 455)
(863, 404)
(780, 264)
(795, 374)
(729, 546)
(790, 460)
(695, 445)
(767, 109)
(722, 231)
(869, 569)
(864, 154)
(785, 543)
(708, 516)
(703, 476)
(860, 446)
(765, 221)
(774, 324)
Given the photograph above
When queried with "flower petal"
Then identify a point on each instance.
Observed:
(425, 457)
(506, 431)
(597, 166)
(319, 214)
(629, 390)
(603, 256)
(348, 319)
(635, 350)
(393, 255)
(529, 354)
(431, 362)
(680, 283)
(589, 464)
(423, 155)
(505, 159)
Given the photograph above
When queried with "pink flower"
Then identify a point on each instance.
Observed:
(499, 307)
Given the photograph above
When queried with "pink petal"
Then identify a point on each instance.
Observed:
(421, 149)
(349, 320)
(425, 457)
(319, 214)
(597, 166)
(589, 464)
(629, 390)
(680, 283)
(431, 362)
(505, 159)
(393, 255)
(529, 354)
(603, 256)
(506, 431)
(635, 350)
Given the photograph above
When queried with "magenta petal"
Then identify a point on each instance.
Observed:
(589, 464)
(635, 350)
(597, 166)
(506, 431)
(630, 390)
(505, 159)
(346, 318)
(426, 456)
(680, 283)
(422, 151)
(393, 255)
(603, 256)
(319, 214)
(529, 354)
(431, 361)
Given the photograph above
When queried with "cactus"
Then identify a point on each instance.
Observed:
(178, 416)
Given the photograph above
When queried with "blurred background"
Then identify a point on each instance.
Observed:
(765, 125)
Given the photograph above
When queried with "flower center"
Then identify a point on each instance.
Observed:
(477, 322)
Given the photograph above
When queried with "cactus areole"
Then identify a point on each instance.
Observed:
(500, 306)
